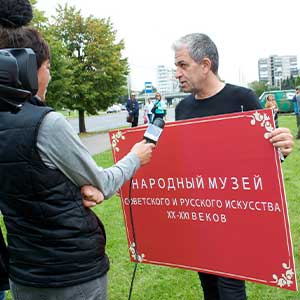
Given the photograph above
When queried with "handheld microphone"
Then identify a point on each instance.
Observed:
(154, 131)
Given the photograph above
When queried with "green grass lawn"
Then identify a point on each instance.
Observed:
(163, 283)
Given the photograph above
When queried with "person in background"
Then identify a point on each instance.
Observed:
(197, 62)
(296, 102)
(296, 106)
(147, 110)
(164, 106)
(158, 105)
(271, 103)
(133, 109)
(56, 245)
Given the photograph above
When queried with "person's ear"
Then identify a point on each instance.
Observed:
(206, 64)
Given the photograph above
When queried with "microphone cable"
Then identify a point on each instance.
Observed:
(134, 240)
(158, 123)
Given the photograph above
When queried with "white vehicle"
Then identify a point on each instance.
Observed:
(114, 108)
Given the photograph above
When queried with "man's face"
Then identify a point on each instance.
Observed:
(188, 72)
(43, 79)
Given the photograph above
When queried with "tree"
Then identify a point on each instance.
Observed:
(39, 20)
(288, 83)
(258, 86)
(60, 87)
(297, 81)
(97, 70)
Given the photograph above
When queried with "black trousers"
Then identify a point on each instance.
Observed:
(135, 121)
(222, 288)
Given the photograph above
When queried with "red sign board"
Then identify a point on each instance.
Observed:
(212, 199)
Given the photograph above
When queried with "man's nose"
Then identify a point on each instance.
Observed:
(178, 73)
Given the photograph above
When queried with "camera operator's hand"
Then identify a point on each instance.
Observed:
(91, 196)
(143, 150)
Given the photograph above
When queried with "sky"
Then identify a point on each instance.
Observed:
(243, 31)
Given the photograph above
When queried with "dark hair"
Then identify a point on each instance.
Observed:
(14, 16)
(25, 37)
(15, 13)
(199, 46)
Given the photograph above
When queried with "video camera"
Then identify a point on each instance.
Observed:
(18, 77)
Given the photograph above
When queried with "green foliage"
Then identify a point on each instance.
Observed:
(297, 81)
(258, 87)
(98, 72)
(59, 88)
(288, 83)
(39, 20)
(87, 68)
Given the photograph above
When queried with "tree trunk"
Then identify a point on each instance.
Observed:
(81, 121)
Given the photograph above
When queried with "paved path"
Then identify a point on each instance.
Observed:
(97, 143)
(100, 142)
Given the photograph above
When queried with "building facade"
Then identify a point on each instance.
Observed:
(276, 68)
(166, 80)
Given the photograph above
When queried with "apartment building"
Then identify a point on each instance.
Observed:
(166, 81)
(276, 68)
